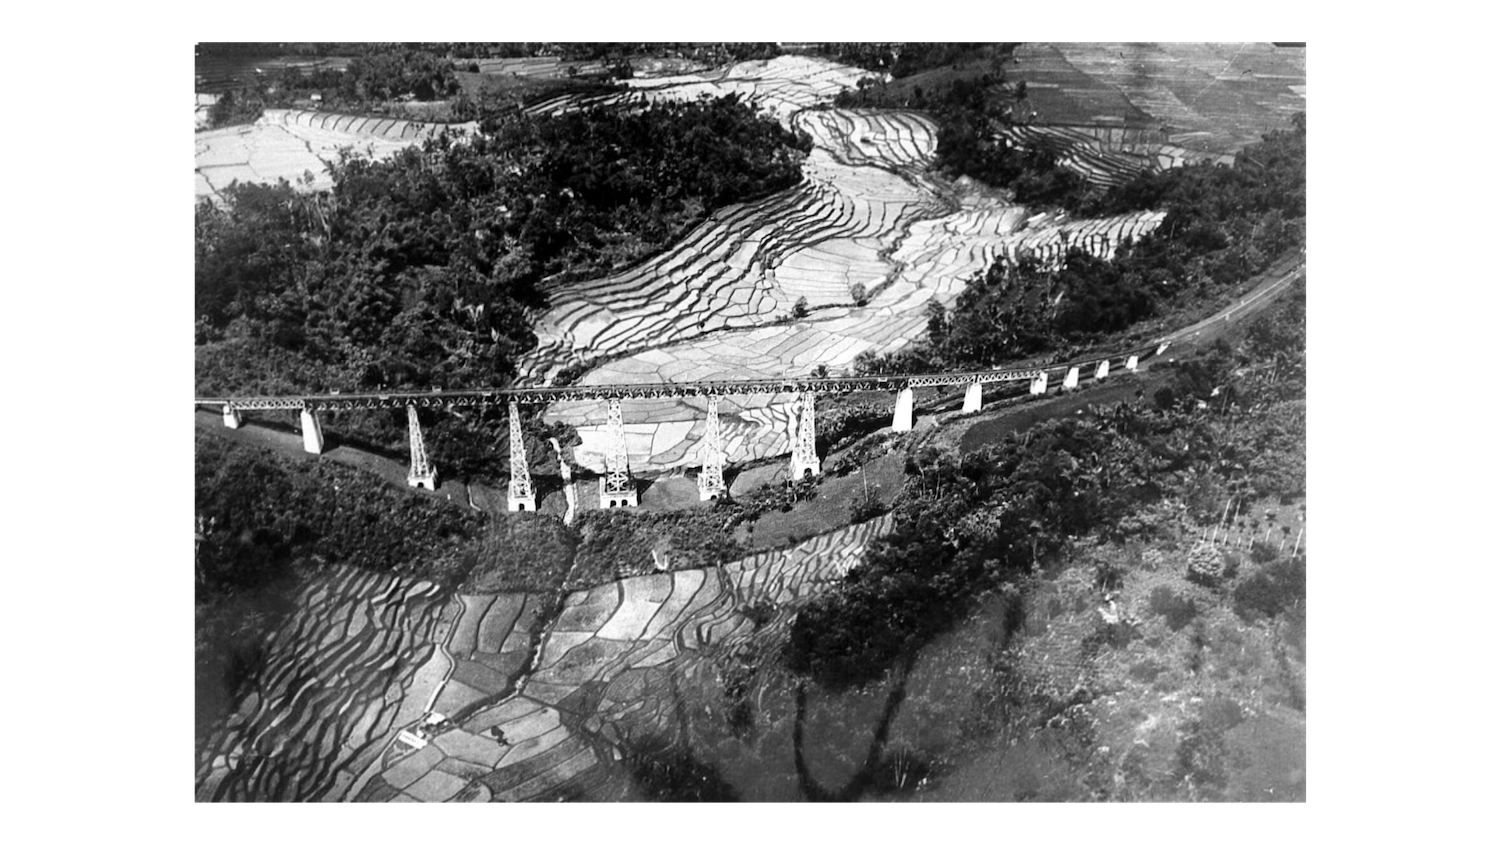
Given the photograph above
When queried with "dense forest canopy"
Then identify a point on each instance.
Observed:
(418, 271)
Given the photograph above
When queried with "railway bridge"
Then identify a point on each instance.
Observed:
(616, 488)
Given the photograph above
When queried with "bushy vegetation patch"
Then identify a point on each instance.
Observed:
(523, 552)
(265, 512)
(1177, 610)
(616, 543)
(1273, 590)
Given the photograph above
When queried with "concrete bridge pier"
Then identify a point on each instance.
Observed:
(1071, 381)
(973, 398)
(312, 432)
(1132, 362)
(1102, 371)
(1162, 348)
(1039, 384)
(901, 419)
(232, 417)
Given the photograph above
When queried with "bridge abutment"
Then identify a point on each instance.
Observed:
(312, 432)
(901, 420)
(232, 417)
(973, 398)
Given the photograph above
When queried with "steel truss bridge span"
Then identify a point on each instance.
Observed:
(604, 392)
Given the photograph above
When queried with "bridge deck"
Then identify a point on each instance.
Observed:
(595, 392)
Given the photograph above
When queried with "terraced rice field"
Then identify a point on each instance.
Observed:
(365, 656)
(784, 85)
(353, 663)
(721, 303)
(532, 67)
(285, 144)
(602, 678)
(1109, 155)
(1213, 98)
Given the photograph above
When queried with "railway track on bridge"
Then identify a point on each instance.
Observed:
(657, 390)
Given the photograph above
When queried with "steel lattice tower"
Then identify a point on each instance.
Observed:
(711, 478)
(522, 496)
(615, 488)
(423, 473)
(804, 443)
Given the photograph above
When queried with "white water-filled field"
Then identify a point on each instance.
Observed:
(289, 144)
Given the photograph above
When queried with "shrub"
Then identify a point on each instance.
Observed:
(619, 543)
(1177, 610)
(1205, 565)
(1272, 590)
(866, 507)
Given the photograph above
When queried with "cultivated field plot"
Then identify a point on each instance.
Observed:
(555, 67)
(1109, 155)
(1210, 97)
(603, 677)
(352, 663)
(784, 85)
(537, 67)
(286, 143)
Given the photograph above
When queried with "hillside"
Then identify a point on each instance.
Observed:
(1093, 594)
